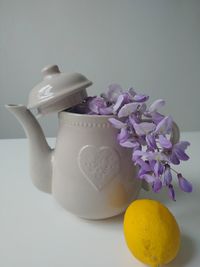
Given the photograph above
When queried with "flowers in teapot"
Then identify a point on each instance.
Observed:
(144, 130)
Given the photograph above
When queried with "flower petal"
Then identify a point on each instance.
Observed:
(144, 165)
(171, 192)
(128, 144)
(158, 168)
(118, 104)
(106, 110)
(164, 126)
(96, 103)
(152, 163)
(123, 135)
(116, 123)
(144, 128)
(133, 119)
(181, 154)
(157, 185)
(156, 156)
(167, 176)
(151, 142)
(148, 178)
(182, 145)
(184, 184)
(114, 90)
(157, 117)
(127, 109)
(141, 173)
(156, 105)
(179, 150)
(142, 108)
(127, 98)
(174, 159)
(164, 142)
(137, 154)
(140, 98)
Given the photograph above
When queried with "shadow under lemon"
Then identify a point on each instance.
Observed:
(186, 252)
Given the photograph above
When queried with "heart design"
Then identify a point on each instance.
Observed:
(98, 165)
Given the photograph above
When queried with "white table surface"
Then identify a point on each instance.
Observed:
(36, 232)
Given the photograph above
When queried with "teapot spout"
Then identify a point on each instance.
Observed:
(40, 152)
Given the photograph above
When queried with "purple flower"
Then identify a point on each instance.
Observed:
(145, 167)
(184, 184)
(127, 109)
(152, 163)
(150, 156)
(141, 109)
(140, 98)
(171, 192)
(164, 142)
(139, 154)
(151, 141)
(96, 104)
(118, 103)
(156, 105)
(157, 117)
(152, 111)
(158, 168)
(158, 156)
(116, 123)
(164, 126)
(136, 117)
(157, 185)
(178, 152)
(130, 144)
(121, 100)
(106, 110)
(153, 168)
(114, 90)
(123, 135)
(148, 178)
(144, 128)
(167, 175)
(133, 119)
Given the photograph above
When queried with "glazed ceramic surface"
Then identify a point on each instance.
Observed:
(57, 91)
(93, 176)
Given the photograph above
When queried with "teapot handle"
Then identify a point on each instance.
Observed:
(175, 133)
(174, 139)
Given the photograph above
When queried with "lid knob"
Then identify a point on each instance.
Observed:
(50, 70)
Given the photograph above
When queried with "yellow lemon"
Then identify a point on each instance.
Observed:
(151, 232)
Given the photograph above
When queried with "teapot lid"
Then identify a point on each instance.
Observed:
(58, 91)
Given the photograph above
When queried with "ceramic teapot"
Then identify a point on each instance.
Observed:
(87, 172)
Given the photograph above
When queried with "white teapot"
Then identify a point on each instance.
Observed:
(87, 172)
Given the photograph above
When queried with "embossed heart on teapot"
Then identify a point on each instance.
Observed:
(99, 165)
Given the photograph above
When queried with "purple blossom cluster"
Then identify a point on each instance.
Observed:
(147, 132)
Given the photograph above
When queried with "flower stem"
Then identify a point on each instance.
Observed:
(174, 170)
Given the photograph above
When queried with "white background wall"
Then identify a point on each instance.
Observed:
(153, 45)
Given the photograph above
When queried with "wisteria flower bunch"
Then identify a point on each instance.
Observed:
(146, 131)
